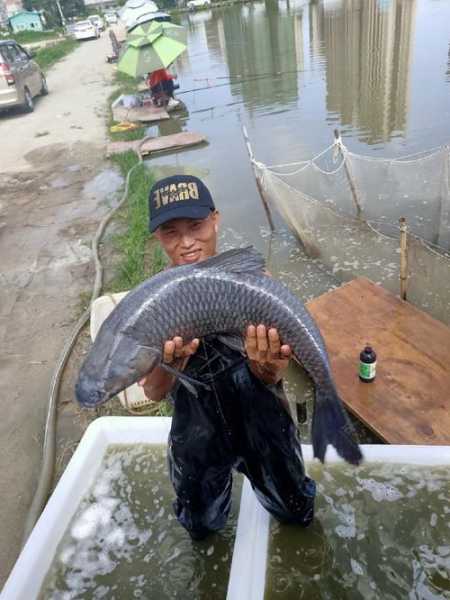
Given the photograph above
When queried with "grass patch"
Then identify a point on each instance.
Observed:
(30, 37)
(141, 255)
(46, 57)
(165, 409)
(127, 136)
(125, 82)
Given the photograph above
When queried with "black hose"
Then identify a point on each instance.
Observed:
(49, 447)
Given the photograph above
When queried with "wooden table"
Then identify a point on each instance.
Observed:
(409, 401)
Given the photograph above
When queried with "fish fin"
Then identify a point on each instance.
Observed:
(144, 356)
(299, 363)
(188, 385)
(331, 425)
(238, 260)
(188, 382)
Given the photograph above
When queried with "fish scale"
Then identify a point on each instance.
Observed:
(221, 295)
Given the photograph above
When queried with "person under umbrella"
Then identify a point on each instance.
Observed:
(151, 49)
(161, 84)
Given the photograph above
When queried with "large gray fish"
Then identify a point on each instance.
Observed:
(222, 295)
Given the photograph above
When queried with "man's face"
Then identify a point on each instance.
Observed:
(187, 241)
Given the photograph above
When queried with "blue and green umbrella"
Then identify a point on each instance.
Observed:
(151, 47)
(147, 33)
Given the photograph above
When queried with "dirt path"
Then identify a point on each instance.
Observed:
(72, 113)
(55, 187)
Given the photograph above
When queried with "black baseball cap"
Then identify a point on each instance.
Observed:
(178, 197)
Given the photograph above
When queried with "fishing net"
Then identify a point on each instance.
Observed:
(345, 209)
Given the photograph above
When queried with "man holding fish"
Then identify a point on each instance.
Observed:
(209, 331)
(188, 235)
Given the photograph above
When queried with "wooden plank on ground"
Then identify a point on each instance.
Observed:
(174, 141)
(409, 401)
(140, 114)
(164, 143)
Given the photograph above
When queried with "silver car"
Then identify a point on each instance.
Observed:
(21, 79)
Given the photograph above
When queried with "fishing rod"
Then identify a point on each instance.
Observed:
(238, 79)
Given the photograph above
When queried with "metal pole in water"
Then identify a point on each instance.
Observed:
(353, 188)
(403, 257)
(258, 183)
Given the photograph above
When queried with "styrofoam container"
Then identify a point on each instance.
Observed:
(133, 397)
(248, 567)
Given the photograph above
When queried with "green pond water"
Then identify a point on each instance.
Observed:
(124, 541)
(381, 532)
(293, 71)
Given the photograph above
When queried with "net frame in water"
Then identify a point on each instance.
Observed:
(335, 222)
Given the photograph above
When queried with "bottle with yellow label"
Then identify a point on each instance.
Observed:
(367, 364)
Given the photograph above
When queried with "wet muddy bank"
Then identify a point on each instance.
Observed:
(48, 215)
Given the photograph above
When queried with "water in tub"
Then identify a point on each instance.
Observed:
(382, 531)
(124, 541)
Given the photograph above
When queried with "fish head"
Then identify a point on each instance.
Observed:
(105, 374)
(88, 393)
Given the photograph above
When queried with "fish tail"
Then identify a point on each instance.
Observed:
(331, 425)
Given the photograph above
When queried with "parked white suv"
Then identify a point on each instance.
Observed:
(21, 78)
(97, 21)
(85, 30)
(110, 18)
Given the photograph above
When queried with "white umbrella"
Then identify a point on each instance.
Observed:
(160, 17)
(133, 9)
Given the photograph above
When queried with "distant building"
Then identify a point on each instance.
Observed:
(100, 3)
(7, 9)
(27, 20)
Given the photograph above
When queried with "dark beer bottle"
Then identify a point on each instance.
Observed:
(367, 364)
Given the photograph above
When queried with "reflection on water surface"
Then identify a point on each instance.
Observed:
(293, 71)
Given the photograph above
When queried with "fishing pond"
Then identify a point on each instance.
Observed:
(292, 72)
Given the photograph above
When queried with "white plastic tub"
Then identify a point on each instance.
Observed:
(247, 576)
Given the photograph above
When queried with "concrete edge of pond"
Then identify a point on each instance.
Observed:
(251, 543)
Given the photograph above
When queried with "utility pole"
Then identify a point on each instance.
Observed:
(63, 20)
